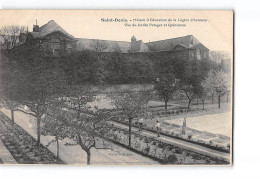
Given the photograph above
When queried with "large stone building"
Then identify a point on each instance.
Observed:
(56, 40)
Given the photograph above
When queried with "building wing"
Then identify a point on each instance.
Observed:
(188, 41)
(109, 46)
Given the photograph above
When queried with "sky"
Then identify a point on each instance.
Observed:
(216, 33)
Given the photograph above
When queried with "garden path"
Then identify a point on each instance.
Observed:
(5, 155)
(177, 142)
(74, 154)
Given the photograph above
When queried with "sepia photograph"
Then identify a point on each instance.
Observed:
(116, 87)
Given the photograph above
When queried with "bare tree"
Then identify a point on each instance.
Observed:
(10, 35)
(99, 46)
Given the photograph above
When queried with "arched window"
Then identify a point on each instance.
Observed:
(56, 46)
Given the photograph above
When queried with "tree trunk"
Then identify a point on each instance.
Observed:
(86, 149)
(38, 131)
(130, 128)
(79, 112)
(212, 98)
(219, 102)
(58, 148)
(197, 101)
(88, 157)
(188, 105)
(165, 104)
(227, 96)
(12, 115)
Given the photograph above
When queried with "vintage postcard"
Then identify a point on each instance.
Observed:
(116, 87)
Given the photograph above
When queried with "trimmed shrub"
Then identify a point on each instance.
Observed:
(147, 149)
(172, 159)
(146, 140)
(154, 142)
(160, 145)
(195, 156)
(178, 150)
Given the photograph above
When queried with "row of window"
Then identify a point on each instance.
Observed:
(199, 54)
(56, 48)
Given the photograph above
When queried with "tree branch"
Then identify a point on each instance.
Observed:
(32, 114)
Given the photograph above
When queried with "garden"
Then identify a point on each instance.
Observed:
(210, 140)
(160, 151)
(22, 146)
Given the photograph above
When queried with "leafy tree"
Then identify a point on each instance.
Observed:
(131, 104)
(87, 127)
(202, 94)
(37, 86)
(52, 124)
(88, 131)
(9, 78)
(70, 117)
(219, 82)
(98, 65)
(165, 88)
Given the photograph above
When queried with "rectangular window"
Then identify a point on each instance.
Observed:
(69, 48)
(198, 54)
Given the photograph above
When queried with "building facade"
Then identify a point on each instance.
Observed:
(55, 40)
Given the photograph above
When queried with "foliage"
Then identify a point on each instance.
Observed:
(217, 81)
(38, 81)
(72, 119)
(132, 104)
(9, 78)
(88, 131)
(165, 88)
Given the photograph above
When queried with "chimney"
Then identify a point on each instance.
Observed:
(36, 28)
(133, 39)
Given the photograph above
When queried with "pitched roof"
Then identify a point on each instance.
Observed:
(50, 27)
(188, 41)
(34, 34)
(112, 46)
(138, 46)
